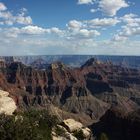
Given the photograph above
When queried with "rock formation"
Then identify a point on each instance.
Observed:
(7, 104)
(88, 91)
(71, 130)
(117, 125)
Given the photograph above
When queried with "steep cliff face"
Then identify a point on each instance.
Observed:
(117, 125)
(89, 90)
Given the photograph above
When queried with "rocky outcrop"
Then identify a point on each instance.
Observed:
(72, 125)
(7, 104)
(86, 133)
(71, 130)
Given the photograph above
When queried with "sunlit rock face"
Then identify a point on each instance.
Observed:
(7, 104)
(68, 128)
(72, 125)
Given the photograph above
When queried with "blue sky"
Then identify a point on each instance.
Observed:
(39, 27)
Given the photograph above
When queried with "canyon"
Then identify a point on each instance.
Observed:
(87, 93)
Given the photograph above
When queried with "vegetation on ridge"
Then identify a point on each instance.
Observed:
(29, 125)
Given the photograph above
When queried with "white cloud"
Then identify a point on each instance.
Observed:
(14, 32)
(40, 45)
(85, 1)
(88, 33)
(131, 27)
(23, 20)
(131, 20)
(33, 30)
(104, 22)
(5, 15)
(7, 18)
(129, 31)
(111, 7)
(126, 32)
(2, 7)
(83, 34)
(74, 25)
(56, 30)
(10, 32)
(93, 23)
(80, 29)
(119, 38)
(78, 36)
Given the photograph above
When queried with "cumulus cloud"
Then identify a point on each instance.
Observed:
(82, 34)
(104, 22)
(131, 20)
(14, 32)
(127, 31)
(5, 15)
(88, 33)
(119, 38)
(111, 7)
(108, 7)
(80, 29)
(76, 37)
(23, 20)
(131, 27)
(93, 23)
(55, 30)
(7, 18)
(32, 30)
(74, 25)
(85, 1)
(2, 7)
(10, 32)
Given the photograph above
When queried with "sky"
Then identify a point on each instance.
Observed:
(61, 27)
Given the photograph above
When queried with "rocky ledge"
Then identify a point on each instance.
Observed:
(71, 130)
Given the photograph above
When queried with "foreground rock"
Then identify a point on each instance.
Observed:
(71, 130)
(86, 133)
(72, 125)
(7, 104)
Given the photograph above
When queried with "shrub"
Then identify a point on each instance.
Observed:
(29, 125)
(79, 135)
(59, 131)
(103, 136)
